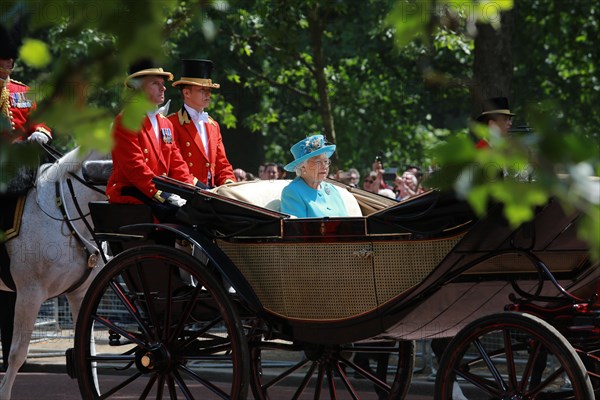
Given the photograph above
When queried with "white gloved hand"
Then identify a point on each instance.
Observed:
(176, 200)
(38, 137)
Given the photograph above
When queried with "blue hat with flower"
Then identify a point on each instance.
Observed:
(307, 148)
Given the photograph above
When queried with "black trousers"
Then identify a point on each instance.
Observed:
(7, 318)
(164, 212)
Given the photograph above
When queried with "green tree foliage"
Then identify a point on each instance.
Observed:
(378, 98)
(376, 75)
(557, 61)
(561, 157)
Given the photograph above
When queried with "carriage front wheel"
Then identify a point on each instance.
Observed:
(157, 323)
(512, 356)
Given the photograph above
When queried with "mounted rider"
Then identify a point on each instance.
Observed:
(16, 105)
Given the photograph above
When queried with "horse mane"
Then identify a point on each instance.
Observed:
(56, 171)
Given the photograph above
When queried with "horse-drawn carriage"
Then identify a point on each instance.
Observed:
(237, 295)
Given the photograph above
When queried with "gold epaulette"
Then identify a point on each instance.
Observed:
(183, 116)
(212, 121)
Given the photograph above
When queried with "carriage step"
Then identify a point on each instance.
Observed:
(69, 355)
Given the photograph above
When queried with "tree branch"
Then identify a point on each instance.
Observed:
(279, 84)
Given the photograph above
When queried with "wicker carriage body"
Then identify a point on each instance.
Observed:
(421, 268)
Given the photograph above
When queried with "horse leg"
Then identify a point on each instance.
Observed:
(75, 300)
(27, 308)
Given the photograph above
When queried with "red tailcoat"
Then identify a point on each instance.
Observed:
(20, 105)
(139, 156)
(192, 149)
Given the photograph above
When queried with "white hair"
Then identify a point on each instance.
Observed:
(298, 168)
(135, 83)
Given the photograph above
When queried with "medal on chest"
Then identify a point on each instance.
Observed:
(167, 137)
(19, 100)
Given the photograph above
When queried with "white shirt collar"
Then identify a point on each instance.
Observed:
(153, 117)
(152, 114)
(195, 115)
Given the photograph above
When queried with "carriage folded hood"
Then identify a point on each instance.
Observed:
(431, 214)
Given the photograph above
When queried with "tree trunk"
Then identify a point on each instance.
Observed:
(493, 61)
(316, 27)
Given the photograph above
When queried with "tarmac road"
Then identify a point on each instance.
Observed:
(45, 378)
(58, 386)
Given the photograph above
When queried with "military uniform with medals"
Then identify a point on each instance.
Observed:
(15, 127)
(15, 106)
(139, 156)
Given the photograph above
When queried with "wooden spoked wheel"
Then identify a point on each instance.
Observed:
(156, 323)
(381, 370)
(512, 356)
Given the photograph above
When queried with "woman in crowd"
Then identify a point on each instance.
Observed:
(308, 195)
(407, 186)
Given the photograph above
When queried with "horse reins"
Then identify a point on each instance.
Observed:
(92, 257)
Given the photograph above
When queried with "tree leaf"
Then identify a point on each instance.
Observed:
(478, 199)
(409, 19)
(35, 53)
(136, 107)
(517, 213)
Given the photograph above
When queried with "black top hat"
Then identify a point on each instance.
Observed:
(197, 73)
(495, 105)
(10, 39)
(145, 67)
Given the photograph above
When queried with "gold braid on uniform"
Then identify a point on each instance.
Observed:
(4, 103)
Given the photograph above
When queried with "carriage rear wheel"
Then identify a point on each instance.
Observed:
(156, 323)
(512, 356)
(380, 370)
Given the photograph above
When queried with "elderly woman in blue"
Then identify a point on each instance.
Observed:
(308, 196)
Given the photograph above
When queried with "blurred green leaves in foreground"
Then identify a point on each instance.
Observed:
(88, 45)
(35, 53)
(418, 19)
(523, 171)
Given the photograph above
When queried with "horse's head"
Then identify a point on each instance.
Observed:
(70, 163)
(56, 172)
(59, 171)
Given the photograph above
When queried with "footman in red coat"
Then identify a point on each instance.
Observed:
(138, 156)
(197, 134)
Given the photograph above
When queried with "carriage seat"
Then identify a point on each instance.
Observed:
(108, 218)
(267, 194)
(97, 172)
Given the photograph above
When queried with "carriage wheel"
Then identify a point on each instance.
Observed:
(163, 328)
(310, 371)
(512, 356)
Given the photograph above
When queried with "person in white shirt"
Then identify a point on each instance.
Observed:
(197, 134)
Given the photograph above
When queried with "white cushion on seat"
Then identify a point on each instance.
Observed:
(350, 201)
(260, 193)
(267, 194)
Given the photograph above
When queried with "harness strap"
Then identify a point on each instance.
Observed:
(61, 206)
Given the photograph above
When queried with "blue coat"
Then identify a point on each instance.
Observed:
(302, 201)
